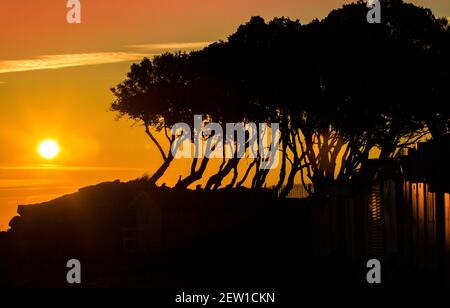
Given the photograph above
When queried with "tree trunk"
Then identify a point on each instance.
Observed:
(283, 167)
(215, 181)
(194, 176)
(161, 170)
(247, 172)
(290, 181)
(235, 176)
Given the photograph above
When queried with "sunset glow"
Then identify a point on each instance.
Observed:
(229, 151)
(55, 79)
(49, 149)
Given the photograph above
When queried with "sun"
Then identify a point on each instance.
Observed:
(49, 149)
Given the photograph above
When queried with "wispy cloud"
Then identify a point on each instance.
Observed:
(172, 46)
(47, 62)
(66, 60)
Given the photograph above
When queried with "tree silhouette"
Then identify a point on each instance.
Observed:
(149, 96)
(339, 88)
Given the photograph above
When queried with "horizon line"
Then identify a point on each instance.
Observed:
(68, 168)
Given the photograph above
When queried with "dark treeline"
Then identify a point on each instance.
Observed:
(339, 88)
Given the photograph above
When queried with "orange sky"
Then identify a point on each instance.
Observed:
(38, 26)
(55, 80)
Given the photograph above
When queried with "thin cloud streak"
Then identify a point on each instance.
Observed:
(172, 46)
(66, 60)
(48, 62)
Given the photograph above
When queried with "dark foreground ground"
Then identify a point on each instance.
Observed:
(133, 235)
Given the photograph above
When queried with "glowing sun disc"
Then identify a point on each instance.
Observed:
(49, 149)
